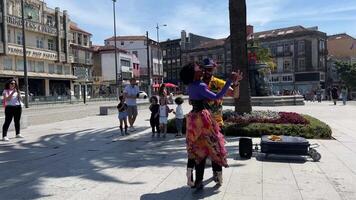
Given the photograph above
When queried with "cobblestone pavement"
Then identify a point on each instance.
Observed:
(86, 159)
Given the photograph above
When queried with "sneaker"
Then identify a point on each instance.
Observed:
(153, 135)
(122, 133)
(127, 133)
(164, 135)
(19, 136)
(132, 129)
(5, 139)
(190, 180)
(219, 178)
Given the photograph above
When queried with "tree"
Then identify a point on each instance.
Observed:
(347, 73)
(238, 36)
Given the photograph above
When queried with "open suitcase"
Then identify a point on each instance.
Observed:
(288, 145)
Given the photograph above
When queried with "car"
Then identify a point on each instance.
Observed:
(142, 95)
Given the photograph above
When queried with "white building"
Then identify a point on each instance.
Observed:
(137, 45)
(104, 67)
(47, 41)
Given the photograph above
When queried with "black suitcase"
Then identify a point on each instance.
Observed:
(245, 147)
(288, 145)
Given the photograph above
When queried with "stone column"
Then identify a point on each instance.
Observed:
(47, 92)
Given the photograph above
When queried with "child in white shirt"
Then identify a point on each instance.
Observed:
(164, 110)
(179, 116)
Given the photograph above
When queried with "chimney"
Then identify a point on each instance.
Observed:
(183, 39)
(249, 30)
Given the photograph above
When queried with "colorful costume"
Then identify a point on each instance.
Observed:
(204, 138)
(215, 85)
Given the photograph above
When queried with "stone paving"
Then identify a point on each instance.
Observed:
(86, 159)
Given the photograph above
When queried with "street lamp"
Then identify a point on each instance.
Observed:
(159, 47)
(116, 79)
(24, 54)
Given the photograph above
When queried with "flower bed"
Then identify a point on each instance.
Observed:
(265, 117)
(267, 123)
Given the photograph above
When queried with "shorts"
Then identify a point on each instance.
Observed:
(132, 111)
(122, 115)
(163, 120)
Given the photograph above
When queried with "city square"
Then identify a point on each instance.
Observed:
(157, 99)
(87, 159)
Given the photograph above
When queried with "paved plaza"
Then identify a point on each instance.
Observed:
(86, 159)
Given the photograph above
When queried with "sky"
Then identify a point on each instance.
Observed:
(208, 18)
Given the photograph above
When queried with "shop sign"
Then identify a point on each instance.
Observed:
(31, 53)
(33, 26)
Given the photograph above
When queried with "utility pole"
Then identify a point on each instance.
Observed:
(148, 65)
(24, 54)
(116, 79)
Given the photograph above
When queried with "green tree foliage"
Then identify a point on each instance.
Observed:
(347, 73)
(264, 56)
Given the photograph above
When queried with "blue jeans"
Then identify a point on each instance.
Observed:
(179, 125)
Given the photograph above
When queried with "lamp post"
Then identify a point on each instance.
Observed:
(116, 79)
(159, 47)
(24, 54)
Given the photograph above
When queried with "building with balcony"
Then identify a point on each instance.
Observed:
(104, 69)
(47, 41)
(81, 55)
(137, 45)
(300, 54)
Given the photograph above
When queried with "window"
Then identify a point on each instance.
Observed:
(19, 65)
(31, 65)
(219, 58)
(51, 44)
(273, 50)
(67, 70)
(322, 62)
(122, 43)
(7, 63)
(191, 58)
(79, 39)
(9, 36)
(85, 38)
(287, 66)
(39, 67)
(50, 20)
(321, 45)
(19, 38)
(164, 52)
(51, 68)
(135, 53)
(39, 42)
(87, 57)
(301, 47)
(59, 69)
(288, 78)
(125, 63)
(280, 49)
(10, 7)
(301, 64)
(274, 79)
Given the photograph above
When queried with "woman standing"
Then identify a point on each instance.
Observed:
(204, 138)
(12, 104)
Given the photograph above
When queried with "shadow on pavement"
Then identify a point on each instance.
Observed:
(87, 154)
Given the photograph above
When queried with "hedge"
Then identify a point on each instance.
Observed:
(316, 129)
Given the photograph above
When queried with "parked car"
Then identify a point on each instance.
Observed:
(142, 95)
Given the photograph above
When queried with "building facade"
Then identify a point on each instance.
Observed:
(137, 45)
(81, 57)
(300, 55)
(47, 41)
(104, 69)
(176, 54)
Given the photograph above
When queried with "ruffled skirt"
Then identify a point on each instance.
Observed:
(204, 138)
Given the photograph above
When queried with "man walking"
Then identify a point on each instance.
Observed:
(131, 91)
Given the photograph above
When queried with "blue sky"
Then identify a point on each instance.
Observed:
(205, 17)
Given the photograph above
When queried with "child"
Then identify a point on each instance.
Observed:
(179, 116)
(154, 120)
(122, 108)
(163, 115)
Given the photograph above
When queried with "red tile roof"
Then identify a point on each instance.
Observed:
(211, 44)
